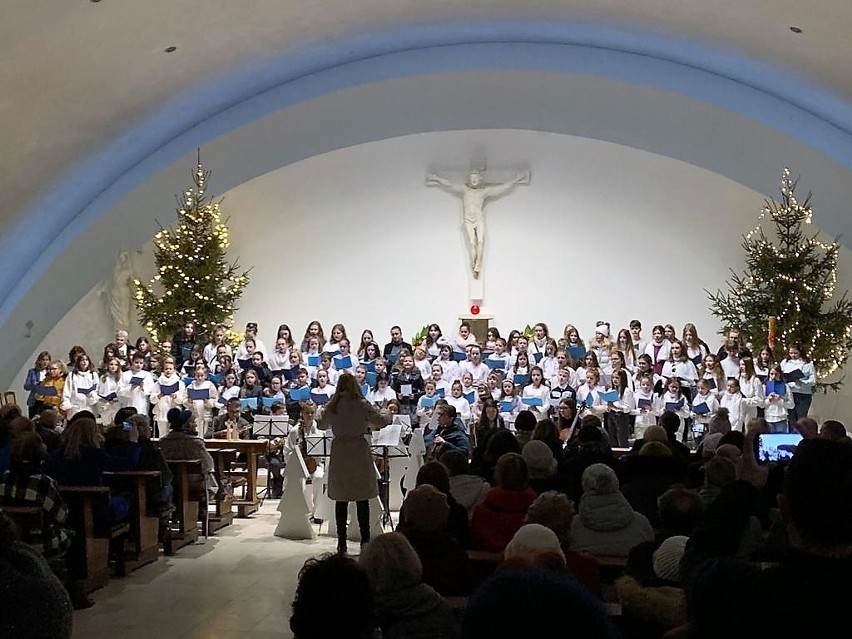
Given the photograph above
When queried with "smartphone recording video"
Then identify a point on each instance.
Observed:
(773, 447)
(127, 425)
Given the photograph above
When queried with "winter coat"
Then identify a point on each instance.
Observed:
(607, 524)
(496, 520)
(414, 612)
(351, 470)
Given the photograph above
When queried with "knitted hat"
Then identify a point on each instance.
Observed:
(539, 458)
(600, 479)
(709, 444)
(426, 508)
(533, 537)
(603, 329)
(667, 558)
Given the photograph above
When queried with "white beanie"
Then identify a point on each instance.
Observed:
(603, 329)
(539, 458)
(533, 537)
(667, 558)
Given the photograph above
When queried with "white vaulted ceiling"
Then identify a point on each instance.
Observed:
(93, 110)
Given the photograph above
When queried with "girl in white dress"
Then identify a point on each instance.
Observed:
(509, 402)
(108, 387)
(448, 364)
(458, 400)
(338, 332)
(442, 386)
(548, 363)
(421, 361)
(338, 361)
(645, 411)
(81, 388)
(164, 402)
(537, 389)
(202, 409)
(751, 389)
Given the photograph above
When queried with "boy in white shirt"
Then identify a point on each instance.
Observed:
(136, 386)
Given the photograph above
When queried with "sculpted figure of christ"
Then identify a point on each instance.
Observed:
(474, 193)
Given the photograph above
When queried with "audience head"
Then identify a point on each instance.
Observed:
(48, 418)
(28, 451)
(670, 422)
(655, 433)
(530, 602)
(426, 508)
(735, 438)
(708, 446)
(546, 429)
(143, 426)
(511, 472)
(554, 510)
(719, 471)
(533, 540)
(525, 421)
(655, 449)
(539, 458)
(720, 422)
(833, 430)
(500, 443)
(680, 511)
(455, 462)
(178, 418)
(435, 474)
(600, 479)
(79, 434)
(333, 579)
(816, 501)
(123, 415)
(391, 563)
(666, 558)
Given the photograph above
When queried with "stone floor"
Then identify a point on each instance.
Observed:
(242, 579)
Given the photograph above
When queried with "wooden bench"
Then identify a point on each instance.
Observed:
(483, 563)
(142, 546)
(28, 520)
(189, 498)
(88, 508)
(223, 509)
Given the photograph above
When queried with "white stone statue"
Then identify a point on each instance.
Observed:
(474, 193)
(119, 292)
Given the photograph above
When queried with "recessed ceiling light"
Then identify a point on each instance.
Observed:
(170, 49)
(796, 29)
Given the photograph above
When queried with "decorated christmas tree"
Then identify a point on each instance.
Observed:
(194, 279)
(787, 292)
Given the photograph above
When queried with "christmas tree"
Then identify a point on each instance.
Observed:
(790, 276)
(194, 280)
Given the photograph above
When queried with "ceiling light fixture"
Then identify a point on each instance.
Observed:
(796, 29)
(170, 49)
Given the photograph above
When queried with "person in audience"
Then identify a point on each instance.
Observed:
(35, 376)
(534, 545)
(554, 510)
(46, 423)
(606, 523)
(648, 474)
(497, 518)
(592, 448)
(436, 474)
(815, 504)
(446, 566)
(337, 581)
(351, 471)
(541, 466)
(531, 602)
(182, 442)
(833, 430)
(467, 489)
(35, 604)
(484, 459)
(406, 607)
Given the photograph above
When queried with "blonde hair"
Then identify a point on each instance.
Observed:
(79, 434)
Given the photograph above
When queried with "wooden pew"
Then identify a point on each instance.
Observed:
(252, 449)
(223, 513)
(188, 498)
(88, 507)
(143, 546)
(28, 520)
(483, 563)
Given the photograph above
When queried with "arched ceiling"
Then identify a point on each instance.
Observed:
(92, 106)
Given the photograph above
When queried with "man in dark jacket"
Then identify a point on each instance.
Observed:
(449, 435)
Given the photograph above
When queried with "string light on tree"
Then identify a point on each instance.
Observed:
(791, 277)
(194, 281)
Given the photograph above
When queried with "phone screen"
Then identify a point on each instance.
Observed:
(127, 425)
(773, 447)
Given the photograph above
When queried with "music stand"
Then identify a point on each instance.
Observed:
(269, 427)
(318, 445)
(386, 444)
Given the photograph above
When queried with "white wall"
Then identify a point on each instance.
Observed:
(603, 231)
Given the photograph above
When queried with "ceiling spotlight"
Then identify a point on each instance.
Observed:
(170, 49)
(796, 29)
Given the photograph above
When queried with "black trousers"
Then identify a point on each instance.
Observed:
(341, 513)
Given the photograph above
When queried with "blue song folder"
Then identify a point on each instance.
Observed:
(779, 388)
(300, 394)
(137, 381)
(86, 391)
(537, 357)
(245, 364)
(506, 406)
(440, 393)
(313, 360)
(197, 393)
(291, 373)
(674, 406)
(470, 397)
(644, 403)
(700, 409)
(109, 397)
(370, 367)
(269, 401)
(365, 389)
(249, 403)
(188, 380)
(495, 363)
(186, 351)
(576, 351)
(319, 398)
(521, 380)
(216, 378)
(590, 400)
(428, 402)
(532, 401)
(371, 378)
(794, 375)
(46, 391)
(609, 396)
(342, 363)
(459, 356)
(168, 389)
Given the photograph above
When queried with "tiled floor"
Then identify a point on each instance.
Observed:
(242, 579)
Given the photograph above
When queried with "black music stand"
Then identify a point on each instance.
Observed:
(269, 427)
(387, 450)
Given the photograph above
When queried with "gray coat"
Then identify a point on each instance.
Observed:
(351, 470)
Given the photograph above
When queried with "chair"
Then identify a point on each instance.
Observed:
(9, 398)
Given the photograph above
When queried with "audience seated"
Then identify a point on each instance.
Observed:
(525, 424)
(500, 443)
(606, 523)
(497, 518)
(592, 448)
(805, 594)
(406, 608)
(547, 431)
(554, 510)
(466, 488)
(46, 428)
(533, 602)
(446, 566)
(541, 466)
(34, 605)
(648, 475)
(534, 545)
(333, 584)
(458, 525)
